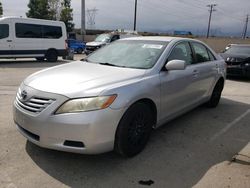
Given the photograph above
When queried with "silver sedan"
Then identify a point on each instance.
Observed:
(115, 97)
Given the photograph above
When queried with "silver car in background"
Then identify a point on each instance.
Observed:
(113, 99)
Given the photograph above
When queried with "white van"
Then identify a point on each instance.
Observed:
(26, 37)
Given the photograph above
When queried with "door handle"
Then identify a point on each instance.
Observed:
(195, 73)
(9, 40)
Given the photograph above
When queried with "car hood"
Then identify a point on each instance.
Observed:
(80, 79)
(95, 43)
(240, 56)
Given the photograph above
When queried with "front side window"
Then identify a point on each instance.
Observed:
(200, 53)
(128, 53)
(4, 31)
(182, 51)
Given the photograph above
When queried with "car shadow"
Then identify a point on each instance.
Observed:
(177, 155)
(28, 63)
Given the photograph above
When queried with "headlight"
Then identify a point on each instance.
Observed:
(86, 104)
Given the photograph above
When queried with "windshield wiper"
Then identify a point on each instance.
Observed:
(110, 64)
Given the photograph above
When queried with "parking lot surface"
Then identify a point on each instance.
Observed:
(197, 149)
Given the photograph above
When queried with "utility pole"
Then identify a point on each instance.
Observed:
(244, 33)
(83, 29)
(211, 9)
(135, 15)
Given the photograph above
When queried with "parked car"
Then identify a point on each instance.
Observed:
(106, 38)
(26, 37)
(237, 57)
(76, 45)
(113, 99)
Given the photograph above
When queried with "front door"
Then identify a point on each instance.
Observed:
(5, 40)
(177, 88)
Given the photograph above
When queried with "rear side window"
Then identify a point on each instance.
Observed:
(4, 31)
(52, 32)
(200, 53)
(37, 31)
(211, 56)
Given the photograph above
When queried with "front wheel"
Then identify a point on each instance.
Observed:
(134, 130)
(216, 95)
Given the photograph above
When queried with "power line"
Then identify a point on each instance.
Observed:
(211, 9)
(245, 28)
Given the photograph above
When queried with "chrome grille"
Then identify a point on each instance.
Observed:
(33, 104)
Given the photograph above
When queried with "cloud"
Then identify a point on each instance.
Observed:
(157, 15)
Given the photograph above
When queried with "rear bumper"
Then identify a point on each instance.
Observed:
(62, 53)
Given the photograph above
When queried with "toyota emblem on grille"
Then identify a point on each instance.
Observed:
(24, 95)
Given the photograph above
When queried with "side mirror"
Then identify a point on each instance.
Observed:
(176, 65)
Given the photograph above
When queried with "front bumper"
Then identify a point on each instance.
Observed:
(90, 49)
(94, 129)
(238, 71)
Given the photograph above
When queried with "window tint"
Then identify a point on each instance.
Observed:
(211, 56)
(37, 31)
(52, 32)
(4, 31)
(28, 31)
(182, 51)
(200, 52)
(115, 37)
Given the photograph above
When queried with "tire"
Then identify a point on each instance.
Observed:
(79, 50)
(51, 56)
(134, 130)
(40, 58)
(216, 95)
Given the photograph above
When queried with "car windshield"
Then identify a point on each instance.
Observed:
(103, 38)
(129, 53)
(238, 50)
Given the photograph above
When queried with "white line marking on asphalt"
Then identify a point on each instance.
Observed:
(225, 129)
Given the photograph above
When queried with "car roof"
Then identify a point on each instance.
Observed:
(159, 38)
(239, 45)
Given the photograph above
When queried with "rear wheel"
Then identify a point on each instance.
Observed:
(134, 130)
(51, 56)
(216, 95)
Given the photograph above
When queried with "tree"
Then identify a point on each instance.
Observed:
(39, 9)
(1, 9)
(54, 9)
(66, 15)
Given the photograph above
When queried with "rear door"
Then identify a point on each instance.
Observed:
(6, 43)
(205, 69)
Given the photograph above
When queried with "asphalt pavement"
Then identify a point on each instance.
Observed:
(203, 148)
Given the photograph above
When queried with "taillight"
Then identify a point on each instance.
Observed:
(66, 44)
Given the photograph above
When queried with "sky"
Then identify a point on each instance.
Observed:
(156, 15)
